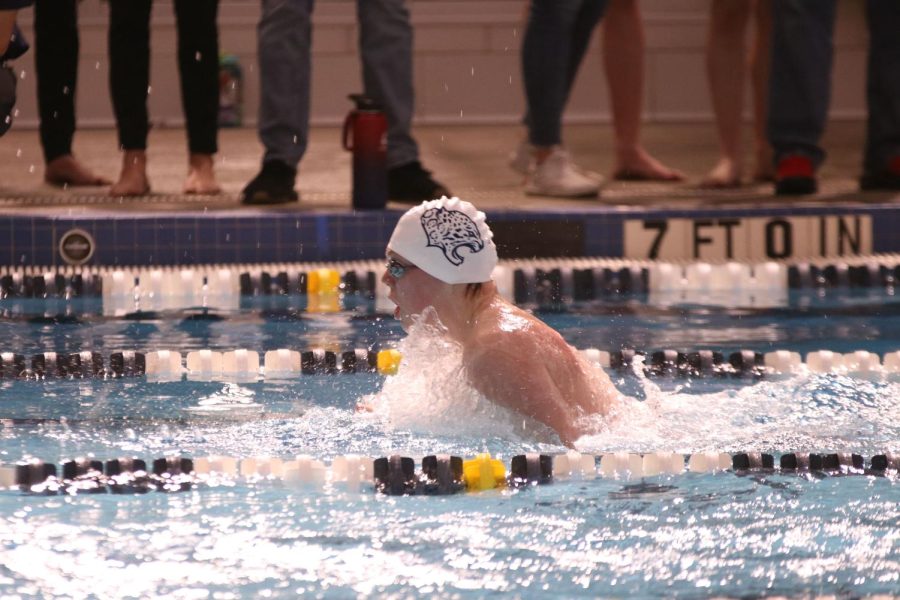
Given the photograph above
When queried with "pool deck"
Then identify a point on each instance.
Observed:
(169, 228)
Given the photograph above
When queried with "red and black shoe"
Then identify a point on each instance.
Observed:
(888, 179)
(795, 175)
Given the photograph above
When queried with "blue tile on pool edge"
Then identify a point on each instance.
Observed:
(105, 243)
(22, 241)
(6, 241)
(125, 247)
(205, 254)
(247, 240)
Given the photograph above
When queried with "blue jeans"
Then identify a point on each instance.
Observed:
(800, 84)
(556, 38)
(285, 40)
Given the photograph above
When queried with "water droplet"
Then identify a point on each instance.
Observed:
(510, 80)
(227, 237)
(149, 89)
(97, 66)
(446, 87)
(460, 113)
(31, 168)
(295, 139)
(22, 75)
(473, 71)
(198, 56)
(18, 151)
(55, 114)
(65, 90)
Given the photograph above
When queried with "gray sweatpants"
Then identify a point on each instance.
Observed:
(285, 40)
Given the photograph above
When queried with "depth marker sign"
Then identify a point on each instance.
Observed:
(748, 238)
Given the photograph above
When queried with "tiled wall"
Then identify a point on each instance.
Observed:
(466, 62)
(242, 237)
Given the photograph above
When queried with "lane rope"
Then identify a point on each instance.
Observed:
(537, 281)
(171, 365)
(438, 474)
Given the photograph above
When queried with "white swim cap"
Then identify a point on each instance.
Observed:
(448, 239)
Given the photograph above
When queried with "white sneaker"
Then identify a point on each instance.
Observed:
(557, 176)
(522, 158)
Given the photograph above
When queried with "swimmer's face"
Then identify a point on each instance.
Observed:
(411, 287)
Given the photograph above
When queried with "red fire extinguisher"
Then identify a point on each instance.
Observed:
(365, 135)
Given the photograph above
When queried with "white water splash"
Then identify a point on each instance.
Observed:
(800, 413)
(431, 394)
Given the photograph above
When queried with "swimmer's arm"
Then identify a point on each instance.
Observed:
(519, 380)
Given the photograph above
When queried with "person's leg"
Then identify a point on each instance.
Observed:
(129, 76)
(623, 61)
(284, 39)
(566, 25)
(760, 62)
(799, 90)
(556, 37)
(198, 66)
(725, 56)
(546, 54)
(56, 67)
(881, 165)
(285, 42)
(385, 45)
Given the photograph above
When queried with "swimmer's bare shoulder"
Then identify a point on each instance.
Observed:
(508, 367)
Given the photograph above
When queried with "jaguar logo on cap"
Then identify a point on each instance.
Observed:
(451, 230)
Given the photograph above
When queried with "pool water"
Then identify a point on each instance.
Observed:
(690, 535)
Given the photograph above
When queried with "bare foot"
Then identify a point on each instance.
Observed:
(726, 174)
(68, 171)
(133, 178)
(201, 179)
(637, 165)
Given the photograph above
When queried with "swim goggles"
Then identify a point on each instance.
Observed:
(397, 269)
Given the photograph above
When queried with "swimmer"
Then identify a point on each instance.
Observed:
(441, 256)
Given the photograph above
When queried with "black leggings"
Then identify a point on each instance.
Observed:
(198, 67)
(56, 64)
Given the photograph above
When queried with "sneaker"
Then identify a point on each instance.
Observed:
(889, 179)
(273, 185)
(521, 159)
(557, 176)
(795, 176)
(412, 183)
